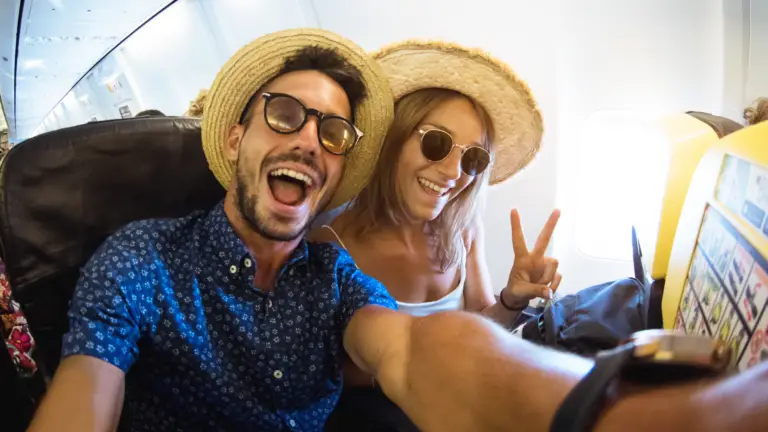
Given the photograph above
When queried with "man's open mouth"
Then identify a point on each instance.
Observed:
(288, 186)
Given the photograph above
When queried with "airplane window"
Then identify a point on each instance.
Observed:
(623, 163)
(3, 131)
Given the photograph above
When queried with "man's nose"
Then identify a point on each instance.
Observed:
(450, 167)
(308, 141)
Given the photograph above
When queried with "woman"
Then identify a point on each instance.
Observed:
(462, 120)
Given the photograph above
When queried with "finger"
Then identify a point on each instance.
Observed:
(531, 290)
(518, 238)
(549, 272)
(546, 234)
(556, 281)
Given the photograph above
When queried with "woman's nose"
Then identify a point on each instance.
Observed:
(450, 167)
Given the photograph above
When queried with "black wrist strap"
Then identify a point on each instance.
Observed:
(511, 308)
(581, 408)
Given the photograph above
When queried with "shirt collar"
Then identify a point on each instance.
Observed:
(228, 246)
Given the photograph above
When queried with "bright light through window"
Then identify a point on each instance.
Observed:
(623, 163)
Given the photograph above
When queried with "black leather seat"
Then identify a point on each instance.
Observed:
(64, 192)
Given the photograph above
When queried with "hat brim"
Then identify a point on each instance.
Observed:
(255, 64)
(414, 65)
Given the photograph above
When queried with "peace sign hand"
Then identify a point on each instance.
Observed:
(533, 274)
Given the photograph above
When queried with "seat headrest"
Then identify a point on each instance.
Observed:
(65, 191)
(721, 125)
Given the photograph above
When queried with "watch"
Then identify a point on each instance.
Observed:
(649, 357)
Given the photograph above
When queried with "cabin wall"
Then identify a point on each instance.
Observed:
(9, 12)
(621, 63)
(757, 78)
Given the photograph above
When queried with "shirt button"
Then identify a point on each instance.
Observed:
(291, 423)
(232, 269)
(247, 263)
(278, 374)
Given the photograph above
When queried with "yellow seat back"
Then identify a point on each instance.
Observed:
(689, 138)
(717, 278)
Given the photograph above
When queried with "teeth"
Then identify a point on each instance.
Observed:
(428, 184)
(291, 173)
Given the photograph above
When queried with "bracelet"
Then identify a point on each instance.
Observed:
(513, 308)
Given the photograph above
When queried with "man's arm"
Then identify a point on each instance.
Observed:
(458, 371)
(86, 395)
(100, 346)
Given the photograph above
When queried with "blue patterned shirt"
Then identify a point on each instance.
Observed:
(173, 303)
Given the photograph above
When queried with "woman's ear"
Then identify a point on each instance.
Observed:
(232, 145)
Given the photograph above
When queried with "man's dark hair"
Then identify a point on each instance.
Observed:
(326, 61)
(150, 113)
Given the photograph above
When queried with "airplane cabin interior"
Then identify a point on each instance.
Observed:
(651, 147)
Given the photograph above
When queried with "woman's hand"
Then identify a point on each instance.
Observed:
(533, 274)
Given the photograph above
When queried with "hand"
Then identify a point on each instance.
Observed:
(533, 274)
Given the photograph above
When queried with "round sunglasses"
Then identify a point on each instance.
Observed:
(437, 144)
(285, 114)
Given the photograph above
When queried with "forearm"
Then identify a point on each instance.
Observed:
(465, 373)
(82, 398)
(736, 404)
(501, 314)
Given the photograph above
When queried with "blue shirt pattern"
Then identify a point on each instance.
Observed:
(173, 303)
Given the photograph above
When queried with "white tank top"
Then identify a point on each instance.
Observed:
(452, 301)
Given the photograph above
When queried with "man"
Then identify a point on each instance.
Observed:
(230, 320)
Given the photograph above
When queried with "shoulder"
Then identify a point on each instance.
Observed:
(328, 254)
(330, 258)
(331, 231)
(142, 240)
(322, 234)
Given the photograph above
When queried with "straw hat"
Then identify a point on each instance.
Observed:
(261, 60)
(414, 65)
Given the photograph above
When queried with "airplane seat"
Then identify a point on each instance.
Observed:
(62, 193)
(689, 135)
(721, 125)
(717, 277)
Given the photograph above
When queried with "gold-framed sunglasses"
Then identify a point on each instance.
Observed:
(437, 144)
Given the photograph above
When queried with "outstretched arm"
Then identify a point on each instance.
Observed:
(459, 371)
(101, 345)
(86, 395)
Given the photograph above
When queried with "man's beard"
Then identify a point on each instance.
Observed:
(247, 205)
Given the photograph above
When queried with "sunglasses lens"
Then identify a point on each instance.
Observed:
(436, 145)
(475, 161)
(284, 114)
(337, 135)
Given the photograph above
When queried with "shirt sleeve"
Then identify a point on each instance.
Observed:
(358, 289)
(103, 320)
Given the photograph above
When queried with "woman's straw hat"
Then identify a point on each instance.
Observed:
(257, 63)
(414, 65)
